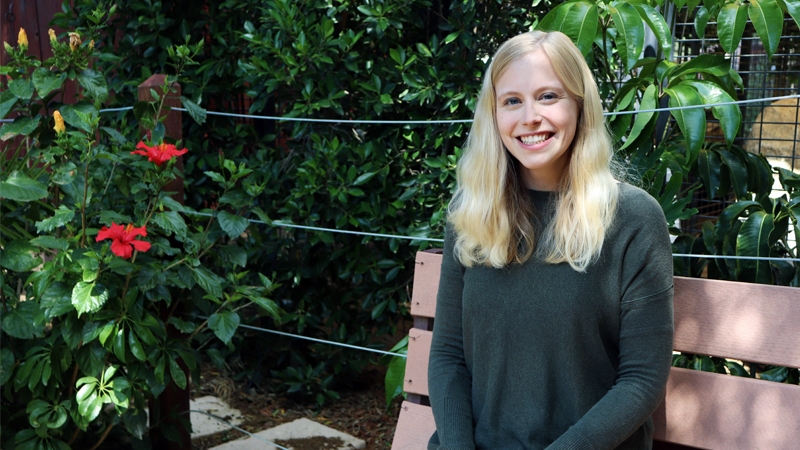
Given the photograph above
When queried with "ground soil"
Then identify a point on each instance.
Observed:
(361, 411)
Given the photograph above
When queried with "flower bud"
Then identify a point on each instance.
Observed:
(7, 47)
(74, 41)
(52, 34)
(22, 39)
(91, 44)
(59, 127)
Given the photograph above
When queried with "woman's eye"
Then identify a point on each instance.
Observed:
(549, 96)
(511, 101)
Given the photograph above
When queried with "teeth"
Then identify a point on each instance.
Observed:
(535, 139)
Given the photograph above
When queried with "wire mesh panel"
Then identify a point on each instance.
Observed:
(769, 128)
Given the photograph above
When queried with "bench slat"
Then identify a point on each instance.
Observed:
(426, 284)
(414, 427)
(419, 347)
(714, 411)
(738, 320)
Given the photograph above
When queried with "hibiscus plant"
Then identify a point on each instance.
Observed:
(97, 260)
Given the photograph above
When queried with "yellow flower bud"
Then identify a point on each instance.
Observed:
(22, 39)
(91, 44)
(59, 127)
(52, 35)
(74, 41)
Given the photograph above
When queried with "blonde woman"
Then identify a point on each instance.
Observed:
(554, 314)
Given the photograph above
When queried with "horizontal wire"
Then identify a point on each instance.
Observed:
(234, 427)
(333, 230)
(321, 341)
(364, 233)
(410, 122)
(754, 258)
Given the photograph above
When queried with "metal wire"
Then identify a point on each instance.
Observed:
(332, 230)
(754, 258)
(321, 341)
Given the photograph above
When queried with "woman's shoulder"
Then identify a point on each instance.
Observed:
(636, 203)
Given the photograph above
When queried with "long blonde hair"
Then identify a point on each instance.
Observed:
(490, 211)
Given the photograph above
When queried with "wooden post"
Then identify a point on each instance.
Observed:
(173, 122)
(172, 406)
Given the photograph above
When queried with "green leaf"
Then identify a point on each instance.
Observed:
(580, 24)
(791, 6)
(231, 224)
(56, 300)
(395, 374)
(753, 240)
(23, 321)
(94, 83)
(22, 88)
(18, 255)
(658, 25)
(195, 111)
(118, 344)
(701, 20)
(731, 214)
(233, 254)
(7, 103)
(171, 221)
(6, 364)
(767, 19)
(76, 115)
(269, 305)
(703, 363)
(224, 325)
(61, 217)
(22, 188)
(115, 135)
(46, 81)
(136, 347)
(708, 167)
(452, 37)
(692, 122)
(649, 101)
(777, 374)
(88, 297)
(729, 116)
(730, 25)
(630, 33)
(738, 173)
(208, 280)
(177, 373)
(712, 64)
(50, 242)
(21, 126)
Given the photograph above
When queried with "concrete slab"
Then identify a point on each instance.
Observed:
(299, 434)
(203, 425)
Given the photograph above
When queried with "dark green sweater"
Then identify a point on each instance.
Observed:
(540, 356)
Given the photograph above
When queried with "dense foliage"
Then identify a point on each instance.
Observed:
(96, 259)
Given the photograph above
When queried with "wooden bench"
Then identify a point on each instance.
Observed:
(741, 321)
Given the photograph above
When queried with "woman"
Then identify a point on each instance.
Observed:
(554, 313)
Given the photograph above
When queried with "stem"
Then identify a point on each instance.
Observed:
(113, 168)
(74, 436)
(83, 204)
(72, 383)
(103, 437)
(171, 311)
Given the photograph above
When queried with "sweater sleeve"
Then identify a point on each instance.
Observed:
(645, 340)
(449, 379)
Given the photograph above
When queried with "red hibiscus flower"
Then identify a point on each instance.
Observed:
(123, 239)
(159, 153)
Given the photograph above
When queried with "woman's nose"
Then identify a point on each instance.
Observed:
(531, 113)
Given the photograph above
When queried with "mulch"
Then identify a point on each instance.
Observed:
(361, 411)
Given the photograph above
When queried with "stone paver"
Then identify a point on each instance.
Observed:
(295, 430)
(203, 425)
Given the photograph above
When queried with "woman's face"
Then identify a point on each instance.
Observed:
(537, 119)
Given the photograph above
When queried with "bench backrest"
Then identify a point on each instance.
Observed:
(741, 321)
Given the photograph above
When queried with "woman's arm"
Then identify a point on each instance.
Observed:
(449, 380)
(645, 341)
